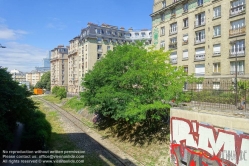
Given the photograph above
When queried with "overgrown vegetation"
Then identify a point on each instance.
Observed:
(59, 92)
(16, 106)
(133, 85)
(74, 103)
(45, 82)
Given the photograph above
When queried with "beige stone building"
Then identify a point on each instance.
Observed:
(92, 44)
(18, 75)
(204, 36)
(74, 66)
(33, 77)
(59, 66)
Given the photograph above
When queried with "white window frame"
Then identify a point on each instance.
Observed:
(162, 31)
(217, 30)
(217, 12)
(216, 67)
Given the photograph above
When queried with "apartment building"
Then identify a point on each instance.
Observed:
(74, 78)
(59, 66)
(18, 75)
(33, 77)
(92, 44)
(207, 37)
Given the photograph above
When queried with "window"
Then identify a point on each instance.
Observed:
(162, 17)
(185, 54)
(173, 12)
(163, 3)
(173, 28)
(200, 36)
(199, 86)
(200, 2)
(173, 43)
(173, 57)
(136, 34)
(97, 31)
(237, 7)
(162, 44)
(143, 34)
(237, 24)
(162, 30)
(240, 67)
(99, 47)
(216, 67)
(185, 69)
(99, 39)
(216, 49)
(99, 56)
(185, 39)
(217, 12)
(238, 48)
(108, 48)
(217, 31)
(200, 53)
(199, 69)
(108, 32)
(216, 85)
(185, 23)
(185, 7)
(200, 19)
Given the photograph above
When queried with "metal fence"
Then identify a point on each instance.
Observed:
(217, 96)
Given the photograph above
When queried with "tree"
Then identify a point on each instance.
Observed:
(44, 83)
(133, 84)
(59, 92)
(14, 106)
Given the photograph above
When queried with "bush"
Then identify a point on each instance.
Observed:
(59, 92)
(74, 103)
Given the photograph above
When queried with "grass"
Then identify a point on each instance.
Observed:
(60, 140)
(74, 103)
(151, 153)
(52, 99)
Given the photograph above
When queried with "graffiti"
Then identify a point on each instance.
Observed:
(199, 144)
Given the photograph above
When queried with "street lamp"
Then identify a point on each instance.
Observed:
(2, 46)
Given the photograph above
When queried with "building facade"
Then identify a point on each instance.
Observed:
(93, 43)
(74, 66)
(18, 75)
(33, 77)
(59, 66)
(206, 37)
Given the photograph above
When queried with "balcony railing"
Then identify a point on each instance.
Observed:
(198, 23)
(216, 53)
(173, 16)
(237, 52)
(237, 10)
(100, 50)
(172, 46)
(217, 15)
(173, 61)
(238, 72)
(237, 31)
(199, 41)
(171, 32)
(185, 42)
(199, 57)
(200, 74)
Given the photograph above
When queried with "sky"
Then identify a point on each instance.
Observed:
(31, 28)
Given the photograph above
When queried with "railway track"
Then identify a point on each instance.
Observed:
(85, 129)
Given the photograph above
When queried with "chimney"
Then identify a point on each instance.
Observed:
(122, 28)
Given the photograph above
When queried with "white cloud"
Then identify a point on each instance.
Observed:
(9, 34)
(22, 57)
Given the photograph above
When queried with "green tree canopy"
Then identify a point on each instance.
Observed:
(44, 83)
(133, 83)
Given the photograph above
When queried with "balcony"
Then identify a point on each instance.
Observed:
(185, 42)
(200, 57)
(199, 41)
(100, 50)
(173, 61)
(237, 31)
(200, 23)
(200, 74)
(216, 53)
(172, 46)
(172, 32)
(237, 52)
(238, 72)
(238, 10)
